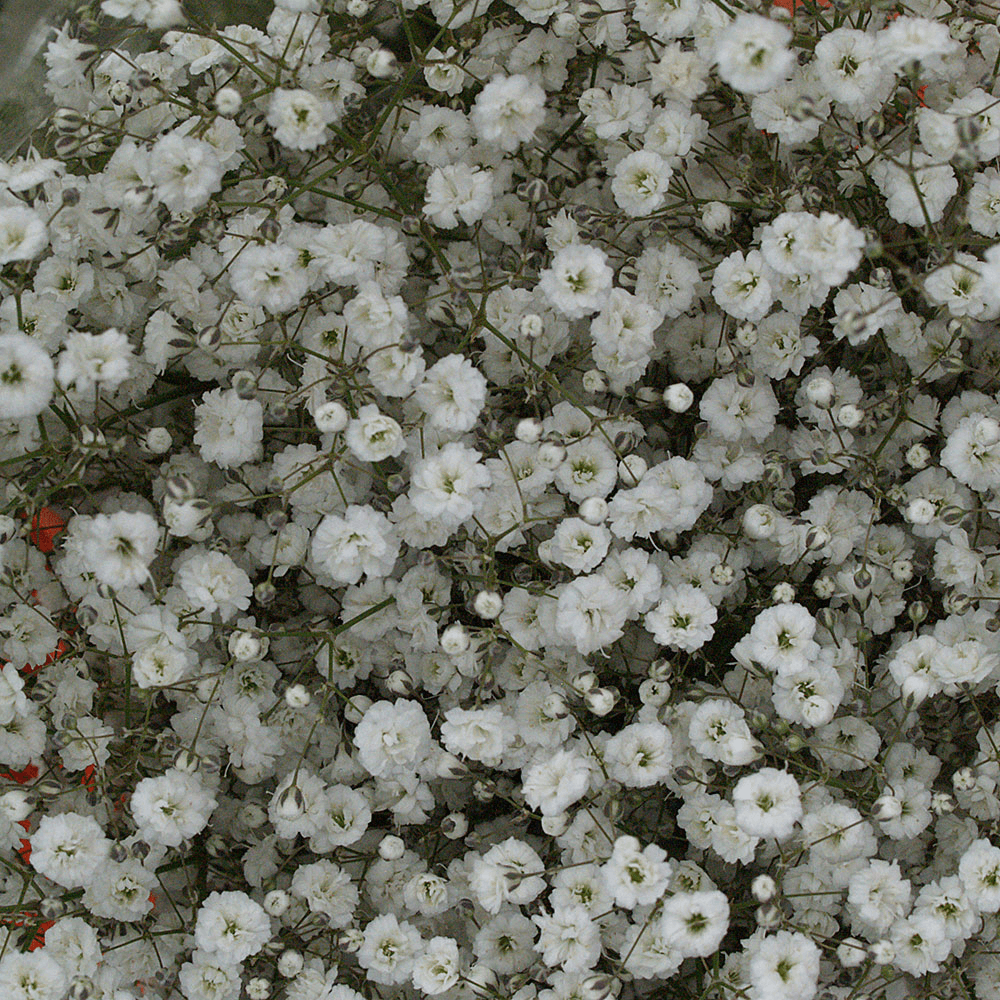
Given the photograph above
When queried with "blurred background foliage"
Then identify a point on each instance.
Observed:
(25, 28)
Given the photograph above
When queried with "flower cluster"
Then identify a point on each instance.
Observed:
(497, 502)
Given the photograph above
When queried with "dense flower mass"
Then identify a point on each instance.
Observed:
(501, 499)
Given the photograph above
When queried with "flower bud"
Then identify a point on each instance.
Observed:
(555, 826)
(655, 693)
(531, 326)
(760, 521)
(276, 902)
(187, 761)
(920, 511)
(678, 398)
(851, 953)
(251, 815)
(290, 963)
(158, 440)
(918, 456)
(399, 682)
(331, 417)
(391, 848)
(297, 696)
(244, 646)
(291, 803)
(448, 766)
(551, 454)
(631, 469)
(886, 808)
(488, 604)
(381, 64)
(228, 101)
(454, 639)
(597, 987)
(820, 391)
(963, 780)
(601, 701)
(594, 510)
(763, 888)
(455, 826)
(914, 690)
(355, 709)
(258, 988)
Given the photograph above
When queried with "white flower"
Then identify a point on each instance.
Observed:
(979, 870)
(640, 755)
(768, 803)
(389, 949)
(439, 967)
(185, 171)
(120, 890)
(23, 234)
(718, 731)
(683, 619)
(578, 281)
(452, 393)
(231, 926)
(393, 738)
(363, 541)
(781, 638)
(228, 429)
(171, 808)
(752, 53)
(553, 782)
(119, 547)
(590, 614)
(269, 276)
(640, 182)
(299, 118)
(741, 287)
(208, 977)
(507, 872)
(213, 582)
(636, 876)
(458, 191)
(372, 436)
(68, 848)
(27, 376)
(33, 975)
(482, 734)
(508, 111)
(919, 944)
(914, 39)
(877, 895)
(579, 545)
(984, 203)
(568, 938)
(845, 61)
(695, 922)
(327, 889)
(95, 360)
(783, 965)
(450, 484)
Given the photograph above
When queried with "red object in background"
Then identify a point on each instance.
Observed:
(791, 5)
(45, 525)
(21, 777)
(32, 668)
